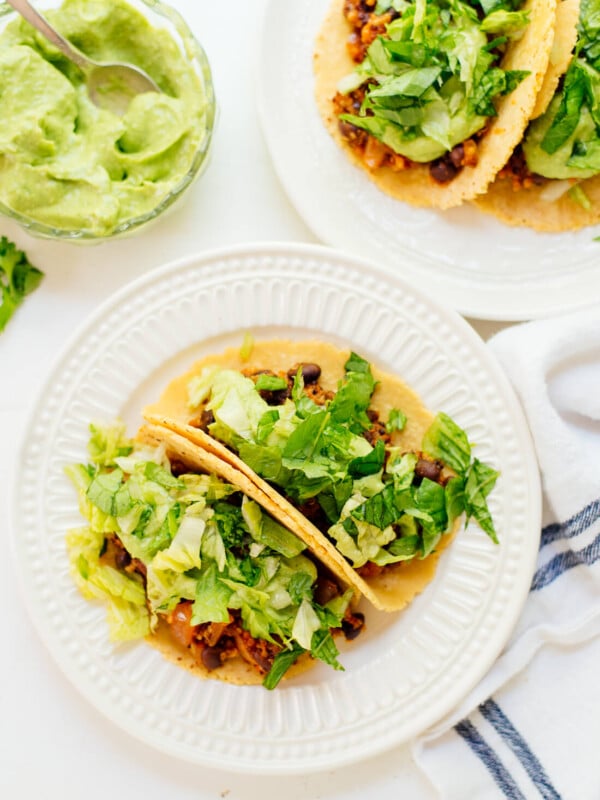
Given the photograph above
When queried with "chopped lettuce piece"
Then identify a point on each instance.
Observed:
(200, 540)
(213, 597)
(396, 420)
(270, 383)
(434, 78)
(107, 442)
(124, 595)
(305, 624)
(446, 441)
(480, 481)
(247, 346)
(183, 553)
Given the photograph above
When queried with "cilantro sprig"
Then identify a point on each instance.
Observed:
(18, 278)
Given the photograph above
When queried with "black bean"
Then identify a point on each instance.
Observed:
(206, 418)
(325, 590)
(353, 626)
(442, 171)
(275, 397)
(212, 657)
(310, 372)
(122, 559)
(457, 155)
(428, 469)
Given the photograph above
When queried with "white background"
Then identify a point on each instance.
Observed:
(52, 743)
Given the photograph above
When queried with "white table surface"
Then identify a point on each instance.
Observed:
(52, 743)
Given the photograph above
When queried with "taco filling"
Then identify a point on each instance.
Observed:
(189, 560)
(427, 81)
(384, 484)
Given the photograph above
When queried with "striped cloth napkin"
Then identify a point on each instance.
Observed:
(531, 728)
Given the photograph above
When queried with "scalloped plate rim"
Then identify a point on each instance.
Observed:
(258, 249)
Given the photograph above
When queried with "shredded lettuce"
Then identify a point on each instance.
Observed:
(123, 594)
(432, 80)
(199, 540)
(376, 507)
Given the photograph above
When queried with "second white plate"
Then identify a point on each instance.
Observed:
(460, 257)
(407, 670)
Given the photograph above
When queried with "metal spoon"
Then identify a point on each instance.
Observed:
(110, 86)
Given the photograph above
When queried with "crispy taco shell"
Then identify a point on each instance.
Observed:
(565, 39)
(414, 185)
(397, 584)
(178, 448)
(527, 207)
(536, 207)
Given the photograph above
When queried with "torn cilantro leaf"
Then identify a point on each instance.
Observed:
(281, 663)
(18, 278)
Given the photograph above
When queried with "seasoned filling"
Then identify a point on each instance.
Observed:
(406, 102)
(373, 153)
(379, 431)
(519, 174)
(465, 154)
(366, 26)
(213, 643)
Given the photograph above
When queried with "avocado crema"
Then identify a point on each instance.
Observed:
(66, 163)
(565, 141)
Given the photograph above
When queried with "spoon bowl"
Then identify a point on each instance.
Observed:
(110, 86)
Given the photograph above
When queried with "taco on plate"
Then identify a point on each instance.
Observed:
(552, 181)
(348, 456)
(181, 549)
(431, 96)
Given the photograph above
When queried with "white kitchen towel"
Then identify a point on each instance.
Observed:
(531, 728)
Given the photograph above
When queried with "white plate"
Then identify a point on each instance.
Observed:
(406, 670)
(461, 257)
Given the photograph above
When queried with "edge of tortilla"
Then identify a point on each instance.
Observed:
(527, 208)
(415, 185)
(396, 586)
(565, 39)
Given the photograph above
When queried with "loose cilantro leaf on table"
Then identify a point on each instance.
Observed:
(18, 278)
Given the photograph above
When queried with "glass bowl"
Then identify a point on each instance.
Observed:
(162, 18)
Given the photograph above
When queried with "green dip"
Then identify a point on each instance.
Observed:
(68, 164)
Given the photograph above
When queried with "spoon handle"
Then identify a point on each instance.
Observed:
(34, 18)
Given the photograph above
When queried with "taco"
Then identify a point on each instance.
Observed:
(552, 181)
(348, 457)
(431, 96)
(182, 551)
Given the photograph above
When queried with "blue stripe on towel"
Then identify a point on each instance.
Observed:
(565, 561)
(495, 767)
(496, 717)
(572, 527)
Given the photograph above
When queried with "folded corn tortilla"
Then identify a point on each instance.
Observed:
(548, 207)
(397, 584)
(530, 52)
